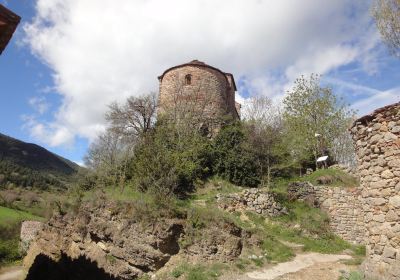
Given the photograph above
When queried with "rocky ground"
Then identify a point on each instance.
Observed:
(11, 273)
(303, 267)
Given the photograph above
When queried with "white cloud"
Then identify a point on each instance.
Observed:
(39, 104)
(106, 50)
(377, 100)
(52, 133)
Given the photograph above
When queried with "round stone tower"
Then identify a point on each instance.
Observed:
(377, 141)
(198, 91)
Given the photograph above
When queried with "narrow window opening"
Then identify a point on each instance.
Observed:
(188, 79)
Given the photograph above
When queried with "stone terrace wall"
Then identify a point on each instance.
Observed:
(29, 230)
(377, 142)
(343, 207)
(254, 200)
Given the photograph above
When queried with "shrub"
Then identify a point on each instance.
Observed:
(169, 161)
(29, 198)
(8, 197)
(9, 250)
(232, 159)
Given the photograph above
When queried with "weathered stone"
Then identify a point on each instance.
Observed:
(379, 218)
(391, 216)
(255, 200)
(29, 230)
(387, 174)
(380, 181)
(374, 139)
(395, 201)
(378, 201)
(378, 185)
(388, 136)
(395, 129)
(389, 252)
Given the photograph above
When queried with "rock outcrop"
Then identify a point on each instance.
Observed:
(256, 200)
(107, 240)
(218, 242)
(117, 244)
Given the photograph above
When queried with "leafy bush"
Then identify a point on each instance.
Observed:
(169, 160)
(9, 248)
(232, 159)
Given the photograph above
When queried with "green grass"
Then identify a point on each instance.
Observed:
(8, 216)
(354, 275)
(340, 179)
(198, 272)
(212, 187)
(312, 231)
(10, 223)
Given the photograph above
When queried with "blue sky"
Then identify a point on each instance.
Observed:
(69, 59)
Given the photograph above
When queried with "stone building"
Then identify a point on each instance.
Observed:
(198, 91)
(377, 142)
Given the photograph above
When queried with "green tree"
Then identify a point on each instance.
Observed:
(233, 158)
(169, 160)
(387, 18)
(314, 117)
(264, 129)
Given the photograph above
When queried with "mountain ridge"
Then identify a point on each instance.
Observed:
(20, 160)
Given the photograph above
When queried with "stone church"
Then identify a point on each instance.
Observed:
(198, 91)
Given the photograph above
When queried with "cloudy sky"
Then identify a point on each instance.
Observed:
(69, 59)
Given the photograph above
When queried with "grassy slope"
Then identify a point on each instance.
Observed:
(340, 179)
(10, 221)
(304, 225)
(11, 216)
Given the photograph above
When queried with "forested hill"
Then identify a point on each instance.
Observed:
(26, 164)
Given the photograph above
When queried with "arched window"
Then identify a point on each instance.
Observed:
(188, 79)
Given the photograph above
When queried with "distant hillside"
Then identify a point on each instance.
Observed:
(25, 164)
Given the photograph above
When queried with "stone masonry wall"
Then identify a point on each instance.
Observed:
(344, 210)
(342, 205)
(377, 142)
(29, 230)
(208, 98)
(254, 200)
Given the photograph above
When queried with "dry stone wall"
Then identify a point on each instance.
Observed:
(29, 230)
(254, 200)
(377, 142)
(342, 205)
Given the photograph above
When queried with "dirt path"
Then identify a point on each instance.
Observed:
(11, 273)
(303, 267)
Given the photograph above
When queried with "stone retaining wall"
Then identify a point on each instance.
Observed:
(344, 210)
(376, 137)
(255, 200)
(343, 206)
(29, 230)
